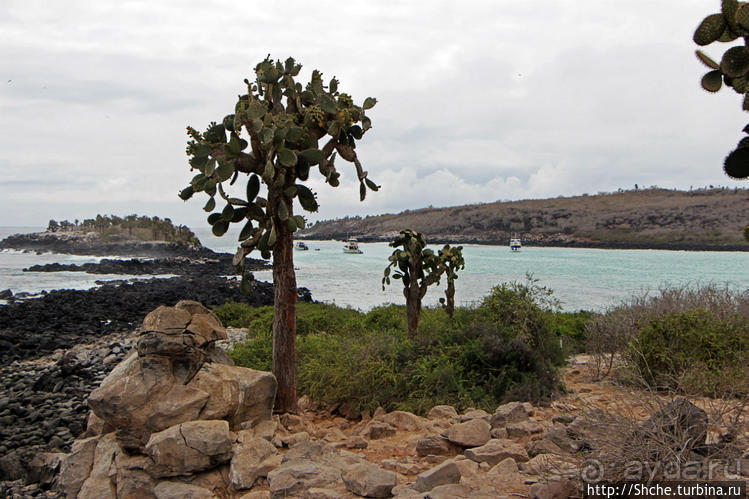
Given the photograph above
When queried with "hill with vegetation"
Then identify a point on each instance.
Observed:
(104, 235)
(644, 218)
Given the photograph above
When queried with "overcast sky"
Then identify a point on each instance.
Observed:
(477, 101)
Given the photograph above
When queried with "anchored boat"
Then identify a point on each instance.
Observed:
(352, 246)
(301, 245)
(515, 243)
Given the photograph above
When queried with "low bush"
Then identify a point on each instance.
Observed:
(359, 361)
(694, 340)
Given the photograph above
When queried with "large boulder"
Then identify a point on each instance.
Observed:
(369, 480)
(189, 447)
(472, 433)
(176, 375)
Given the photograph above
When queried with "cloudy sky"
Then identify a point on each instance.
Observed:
(478, 100)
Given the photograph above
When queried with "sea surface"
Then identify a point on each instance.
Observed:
(582, 279)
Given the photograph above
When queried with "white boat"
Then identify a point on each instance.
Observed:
(352, 246)
(301, 245)
(515, 243)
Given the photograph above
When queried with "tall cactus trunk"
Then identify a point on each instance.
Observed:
(284, 320)
(413, 306)
(450, 297)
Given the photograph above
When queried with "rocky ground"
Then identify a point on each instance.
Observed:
(517, 451)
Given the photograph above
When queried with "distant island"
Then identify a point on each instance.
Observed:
(104, 235)
(653, 218)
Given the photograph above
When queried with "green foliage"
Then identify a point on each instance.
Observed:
(570, 327)
(726, 26)
(695, 350)
(278, 130)
(363, 360)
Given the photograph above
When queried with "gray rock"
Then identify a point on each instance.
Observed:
(179, 490)
(369, 480)
(436, 445)
(472, 433)
(296, 476)
(445, 473)
(442, 412)
(246, 462)
(497, 450)
(511, 412)
(189, 447)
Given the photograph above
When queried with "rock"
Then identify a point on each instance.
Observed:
(179, 490)
(263, 429)
(559, 436)
(524, 429)
(5, 294)
(474, 414)
(246, 461)
(558, 489)
(542, 446)
(445, 473)
(167, 319)
(377, 429)
(496, 450)
(468, 469)
(356, 442)
(563, 419)
(499, 433)
(442, 412)
(681, 422)
(295, 438)
(378, 412)
(44, 468)
(189, 447)
(472, 433)
(506, 466)
(369, 480)
(76, 466)
(292, 422)
(98, 487)
(540, 464)
(511, 412)
(194, 307)
(402, 420)
(296, 476)
(449, 491)
(134, 484)
(436, 445)
(246, 395)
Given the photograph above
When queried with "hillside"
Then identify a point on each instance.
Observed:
(648, 218)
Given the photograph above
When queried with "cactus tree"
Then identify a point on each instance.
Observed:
(278, 132)
(451, 259)
(417, 267)
(731, 23)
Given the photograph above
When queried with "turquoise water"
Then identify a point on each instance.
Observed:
(589, 279)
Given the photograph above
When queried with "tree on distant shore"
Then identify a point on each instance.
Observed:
(417, 267)
(733, 70)
(291, 129)
(451, 260)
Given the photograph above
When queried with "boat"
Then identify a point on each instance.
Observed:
(515, 243)
(352, 246)
(301, 245)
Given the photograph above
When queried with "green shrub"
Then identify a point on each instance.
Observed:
(694, 351)
(359, 361)
(233, 314)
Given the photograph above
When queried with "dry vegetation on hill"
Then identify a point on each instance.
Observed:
(655, 217)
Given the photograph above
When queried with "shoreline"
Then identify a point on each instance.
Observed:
(737, 247)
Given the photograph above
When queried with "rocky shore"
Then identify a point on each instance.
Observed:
(218, 264)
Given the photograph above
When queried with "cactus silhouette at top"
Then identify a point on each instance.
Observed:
(277, 134)
(417, 267)
(730, 24)
(451, 260)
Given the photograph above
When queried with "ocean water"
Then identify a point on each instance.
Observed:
(582, 279)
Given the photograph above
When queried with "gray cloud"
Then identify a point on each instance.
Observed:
(478, 101)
